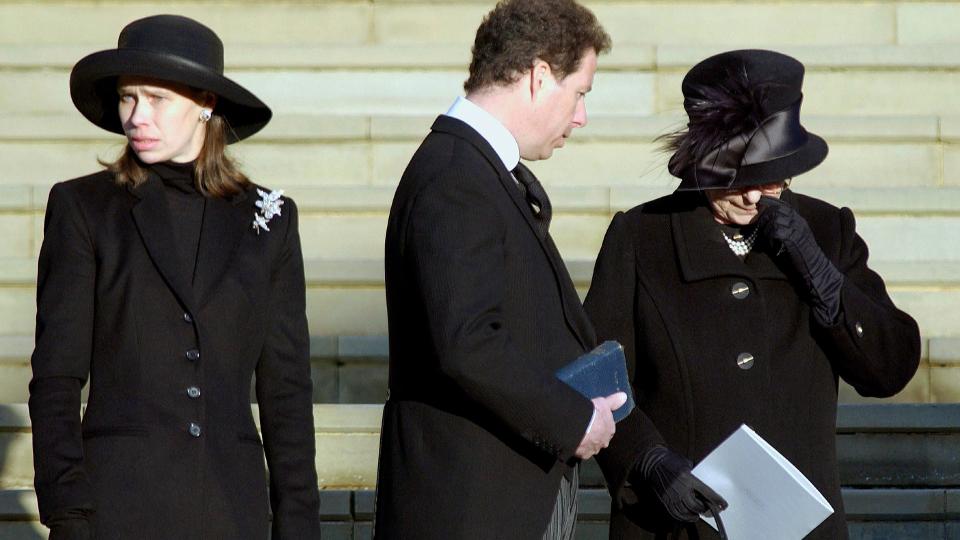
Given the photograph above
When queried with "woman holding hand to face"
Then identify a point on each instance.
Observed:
(738, 301)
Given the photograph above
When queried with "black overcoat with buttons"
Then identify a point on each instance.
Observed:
(685, 308)
(168, 446)
(477, 430)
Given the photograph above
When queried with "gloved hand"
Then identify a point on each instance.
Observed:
(787, 231)
(681, 493)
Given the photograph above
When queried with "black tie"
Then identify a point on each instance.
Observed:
(535, 195)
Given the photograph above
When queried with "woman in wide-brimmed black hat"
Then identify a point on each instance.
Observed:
(737, 302)
(169, 280)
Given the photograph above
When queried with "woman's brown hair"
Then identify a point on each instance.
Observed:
(216, 174)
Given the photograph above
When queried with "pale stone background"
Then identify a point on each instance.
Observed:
(355, 84)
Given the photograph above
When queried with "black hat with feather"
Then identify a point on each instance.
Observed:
(744, 123)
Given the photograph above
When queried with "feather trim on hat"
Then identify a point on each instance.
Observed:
(732, 106)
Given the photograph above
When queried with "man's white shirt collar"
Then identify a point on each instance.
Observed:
(502, 141)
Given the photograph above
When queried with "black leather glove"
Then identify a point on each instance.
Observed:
(70, 529)
(786, 231)
(681, 493)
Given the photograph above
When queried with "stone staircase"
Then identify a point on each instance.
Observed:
(889, 494)
(355, 85)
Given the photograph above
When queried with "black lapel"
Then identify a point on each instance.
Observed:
(152, 217)
(224, 224)
(702, 251)
(572, 308)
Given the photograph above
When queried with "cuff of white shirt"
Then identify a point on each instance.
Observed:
(590, 425)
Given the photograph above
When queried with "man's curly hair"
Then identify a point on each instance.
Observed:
(518, 32)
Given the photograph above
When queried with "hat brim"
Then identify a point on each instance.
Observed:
(94, 91)
(809, 156)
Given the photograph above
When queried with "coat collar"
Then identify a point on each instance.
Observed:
(572, 308)
(703, 253)
(224, 223)
(458, 128)
(492, 130)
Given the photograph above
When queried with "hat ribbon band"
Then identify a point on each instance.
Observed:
(778, 135)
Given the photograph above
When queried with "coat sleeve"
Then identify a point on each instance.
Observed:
(875, 347)
(66, 280)
(454, 244)
(610, 304)
(284, 394)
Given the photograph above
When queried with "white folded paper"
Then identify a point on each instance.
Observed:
(767, 496)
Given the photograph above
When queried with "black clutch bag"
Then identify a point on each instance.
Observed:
(599, 373)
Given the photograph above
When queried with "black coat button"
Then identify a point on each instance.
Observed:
(193, 392)
(193, 355)
(740, 290)
(187, 318)
(194, 429)
(745, 360)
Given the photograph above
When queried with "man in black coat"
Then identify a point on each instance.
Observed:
(478, 435)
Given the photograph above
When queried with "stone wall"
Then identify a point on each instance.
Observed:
(355, 84)
(898, 468)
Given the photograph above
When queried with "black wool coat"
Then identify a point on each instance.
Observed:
(165, 350)
(663, 286)
(477, 431)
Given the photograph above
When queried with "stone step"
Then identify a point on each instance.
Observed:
(344, 369)
(347, 439)
(20, 272)
(315, 199)
(791, 23)
(933, 201)
(874, 445)
(924, 503)
(924, 240)
(364, 150)
(361, 309)
(927, 289)
(277, 55)
(584, 162)
(879, 514)
(353, 369)
(879, 446)
(344, 514)
(427, 90)
(69, 126)
(701, 22)
(917, 225)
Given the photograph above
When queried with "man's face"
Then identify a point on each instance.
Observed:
(558, 107)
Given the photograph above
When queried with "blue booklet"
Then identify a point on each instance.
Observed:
(599, 373)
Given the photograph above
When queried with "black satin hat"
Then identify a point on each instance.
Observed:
(170, 48)
(744, 123)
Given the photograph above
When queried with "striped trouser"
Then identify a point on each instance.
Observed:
(563, 522)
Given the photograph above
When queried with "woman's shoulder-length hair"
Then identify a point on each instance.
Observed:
(215, 172)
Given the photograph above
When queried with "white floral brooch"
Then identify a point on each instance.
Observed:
(269, 205)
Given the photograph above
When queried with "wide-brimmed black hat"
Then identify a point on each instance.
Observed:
(744, 123)
(170, 48)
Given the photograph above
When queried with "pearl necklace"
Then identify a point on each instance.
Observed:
(740, 245)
